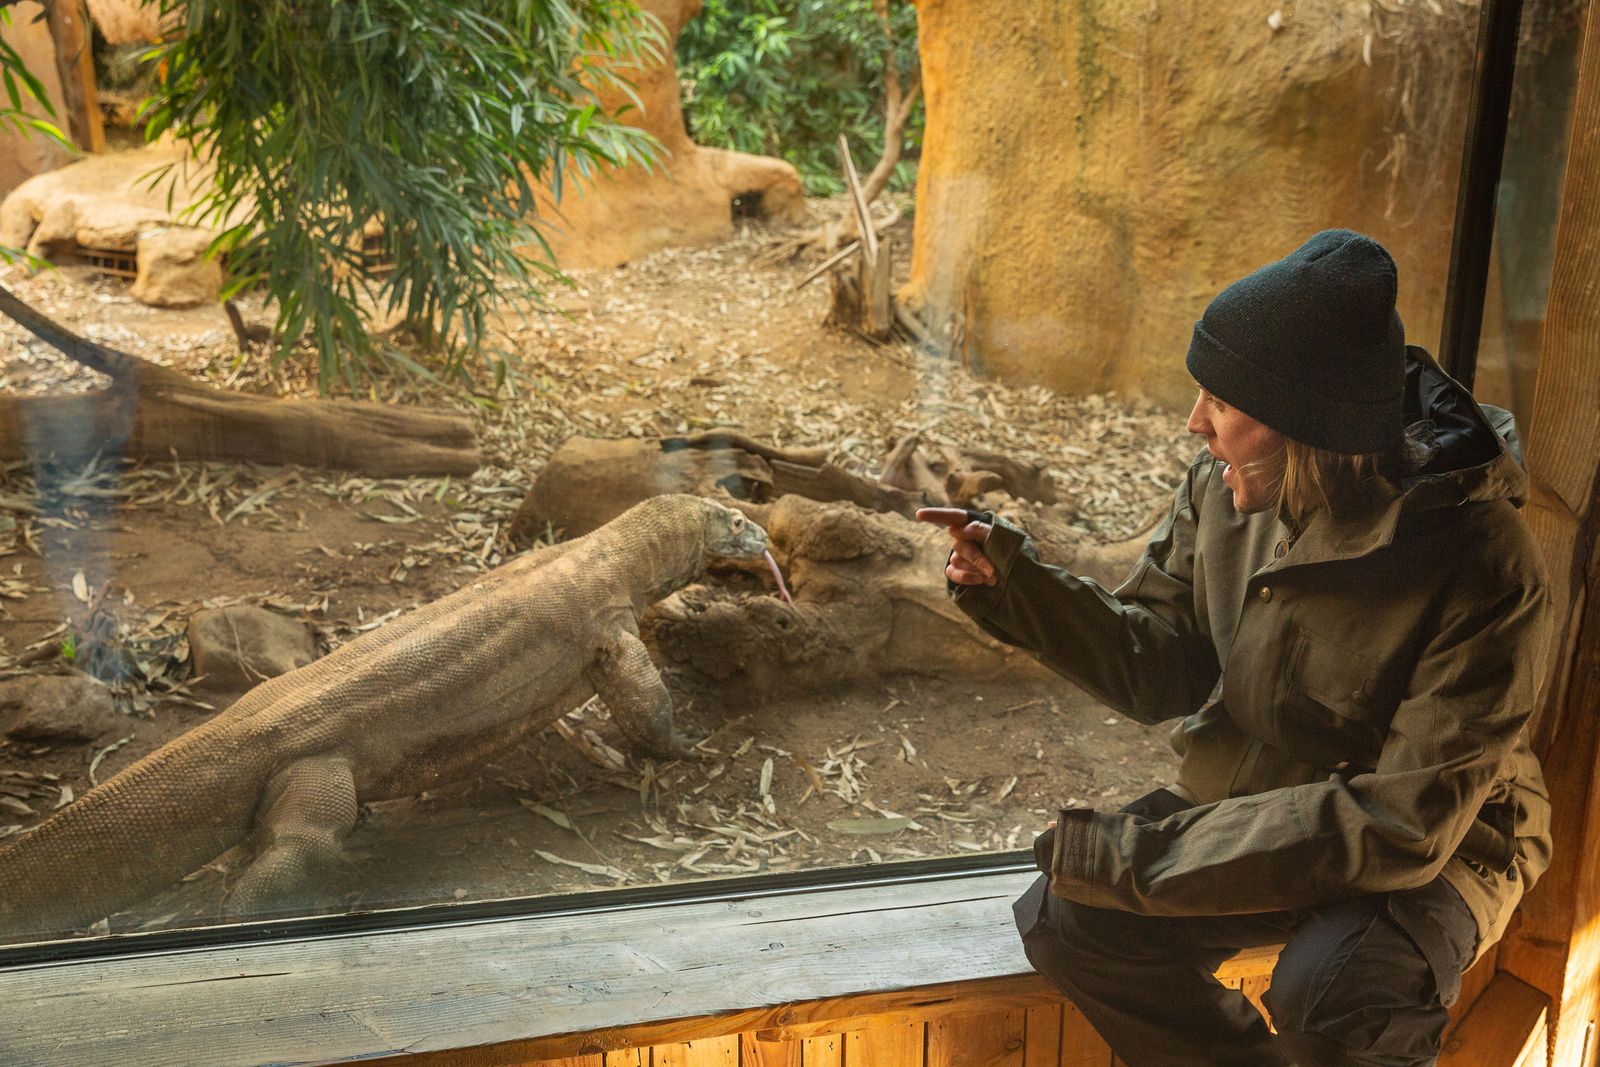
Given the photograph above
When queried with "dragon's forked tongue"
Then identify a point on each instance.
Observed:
(783, 590)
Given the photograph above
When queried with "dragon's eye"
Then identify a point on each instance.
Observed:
(738, 521)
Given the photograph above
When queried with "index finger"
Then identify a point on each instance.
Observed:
(952, 517)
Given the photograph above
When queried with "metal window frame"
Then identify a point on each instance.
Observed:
(1488, 112)
(1472, 240)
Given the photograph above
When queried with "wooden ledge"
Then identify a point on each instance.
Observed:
(460, 986)
(808, 1020)
(782, 967)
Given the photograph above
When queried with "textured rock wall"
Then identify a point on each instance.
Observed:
(22, 156)
(1093, 173)
(623, 213)
(125, 21)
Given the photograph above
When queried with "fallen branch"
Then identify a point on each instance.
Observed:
(715, 439)
(860, 300)
(879, 228)
(152, 412)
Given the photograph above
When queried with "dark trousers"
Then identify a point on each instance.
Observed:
(1364, 981)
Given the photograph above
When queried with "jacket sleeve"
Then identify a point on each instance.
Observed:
(1139, 650)
(1390, 829)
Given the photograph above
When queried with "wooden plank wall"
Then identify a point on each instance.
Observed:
(1054, 1035)
(1046, 1035)
(1554, 942)
(1013, 1022)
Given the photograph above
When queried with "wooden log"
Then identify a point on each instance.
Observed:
(829, 482)
(723, 439)
(167, 415)
(873, 267)
(69, 31)
(152, 412)
(904, 468)
(875, 292)
(1030, 481)
(587, 482)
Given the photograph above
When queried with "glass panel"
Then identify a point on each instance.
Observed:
(1528, 206)
(350, 626)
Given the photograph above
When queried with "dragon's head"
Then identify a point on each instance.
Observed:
(730, 535)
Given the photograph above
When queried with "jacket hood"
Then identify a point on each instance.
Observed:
(1472, 450)
(1472, 455)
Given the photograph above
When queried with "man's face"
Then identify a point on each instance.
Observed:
(1240, 442)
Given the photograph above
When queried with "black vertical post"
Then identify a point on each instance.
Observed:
(1480, 181)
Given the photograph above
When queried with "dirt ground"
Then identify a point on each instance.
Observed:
(905, 768)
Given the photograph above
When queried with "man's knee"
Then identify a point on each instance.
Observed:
(1096, 933)
(1352, 987)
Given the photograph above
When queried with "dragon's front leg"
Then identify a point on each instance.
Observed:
(624, 677)
(307, 810)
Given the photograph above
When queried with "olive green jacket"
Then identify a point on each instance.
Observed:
(1352, 700)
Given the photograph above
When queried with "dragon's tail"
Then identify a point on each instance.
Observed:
(140, 832)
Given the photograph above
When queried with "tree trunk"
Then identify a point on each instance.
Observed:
(69, 29)
(150, 412)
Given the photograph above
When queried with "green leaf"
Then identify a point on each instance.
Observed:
(437, 117)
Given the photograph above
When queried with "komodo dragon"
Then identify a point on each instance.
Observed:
(396, 711)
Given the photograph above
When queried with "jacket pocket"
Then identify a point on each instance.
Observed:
(1329, 712)
(1490, 841)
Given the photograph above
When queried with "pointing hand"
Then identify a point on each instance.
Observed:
(968, 565)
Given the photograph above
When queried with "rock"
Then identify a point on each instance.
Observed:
(174, 270)
(58, 709)
(103, 207)
(239, 647)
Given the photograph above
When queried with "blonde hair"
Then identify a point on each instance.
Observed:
(1303, 478)
(1316, 478)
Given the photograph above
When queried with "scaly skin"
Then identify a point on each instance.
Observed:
(394, 712)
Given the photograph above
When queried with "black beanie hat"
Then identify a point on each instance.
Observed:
(1311, 345)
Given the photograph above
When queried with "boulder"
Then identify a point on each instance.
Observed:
(104, 207)
(58, 709)
(174, 270)
(238, 647)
